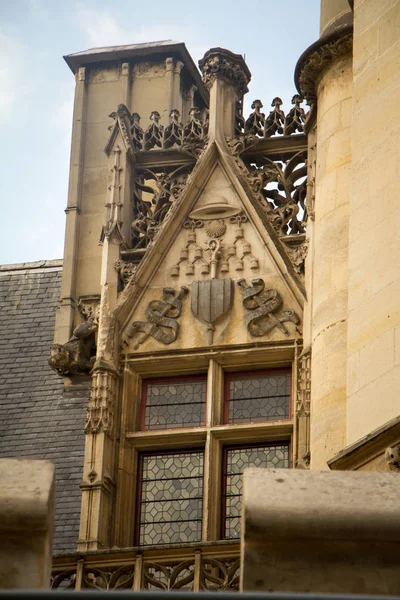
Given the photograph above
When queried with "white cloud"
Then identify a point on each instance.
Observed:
(103, 29)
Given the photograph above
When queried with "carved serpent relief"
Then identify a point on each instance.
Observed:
(161, 315)
(262, 305)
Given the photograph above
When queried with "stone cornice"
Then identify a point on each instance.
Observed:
(218, 63)
(311, 64)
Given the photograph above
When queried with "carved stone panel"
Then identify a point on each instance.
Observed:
(211, 299)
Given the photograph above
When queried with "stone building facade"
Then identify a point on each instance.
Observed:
(227, 299)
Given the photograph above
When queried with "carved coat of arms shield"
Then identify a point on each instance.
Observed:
(211, 299)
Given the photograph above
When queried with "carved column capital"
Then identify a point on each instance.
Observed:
(219, 63)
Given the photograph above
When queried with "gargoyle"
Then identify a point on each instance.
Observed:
(78, 354)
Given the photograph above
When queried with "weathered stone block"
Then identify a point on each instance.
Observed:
(306, 531)
(26, 523)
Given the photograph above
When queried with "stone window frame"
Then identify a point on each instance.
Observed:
(213, 436)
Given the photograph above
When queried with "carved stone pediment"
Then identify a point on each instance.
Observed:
(218, 243)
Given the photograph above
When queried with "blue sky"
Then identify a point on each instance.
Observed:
(37, 87)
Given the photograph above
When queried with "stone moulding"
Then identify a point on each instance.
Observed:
(317, 57)
(218, 63)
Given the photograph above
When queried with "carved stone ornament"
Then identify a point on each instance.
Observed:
(303, 405)
(100, 413)
(126, 270)
(78, 354)
(89, 307)
(262, 305)
(392, 457)
(190, 137)
(212, 255)
(316, 58)
(211, 299)
(162, 317)
(297, 255)
(219, 63)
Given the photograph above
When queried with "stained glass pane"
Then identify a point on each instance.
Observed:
(175, 403)
(259, 397)
(172, 498)
(238, 459)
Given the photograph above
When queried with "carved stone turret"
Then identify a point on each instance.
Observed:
(218, 63)
(226, 76)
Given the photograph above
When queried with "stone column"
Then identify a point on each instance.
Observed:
(324, 78)
(226, 75)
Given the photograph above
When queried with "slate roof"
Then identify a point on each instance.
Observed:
(38, 420)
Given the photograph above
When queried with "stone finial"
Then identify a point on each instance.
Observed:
(224, 64)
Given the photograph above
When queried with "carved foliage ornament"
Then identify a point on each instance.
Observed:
(297, 255)
(263, 306)
(162, 315)
(280, 186)
(153, 195)
(314, 61)
(223, 64)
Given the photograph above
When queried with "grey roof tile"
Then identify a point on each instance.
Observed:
(36, 419)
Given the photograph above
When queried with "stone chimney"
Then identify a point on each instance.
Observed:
(226, 76)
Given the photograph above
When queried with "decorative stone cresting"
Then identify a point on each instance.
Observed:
(219, 63)
(188, 137)
(277, 122)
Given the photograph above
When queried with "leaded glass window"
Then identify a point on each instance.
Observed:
(257, 396)
(235, 461)
(174, 402)
(171, 498)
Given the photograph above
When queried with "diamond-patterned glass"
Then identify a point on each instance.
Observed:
(262, 397)
(238, 459)
(172, 498)
(174, 403)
